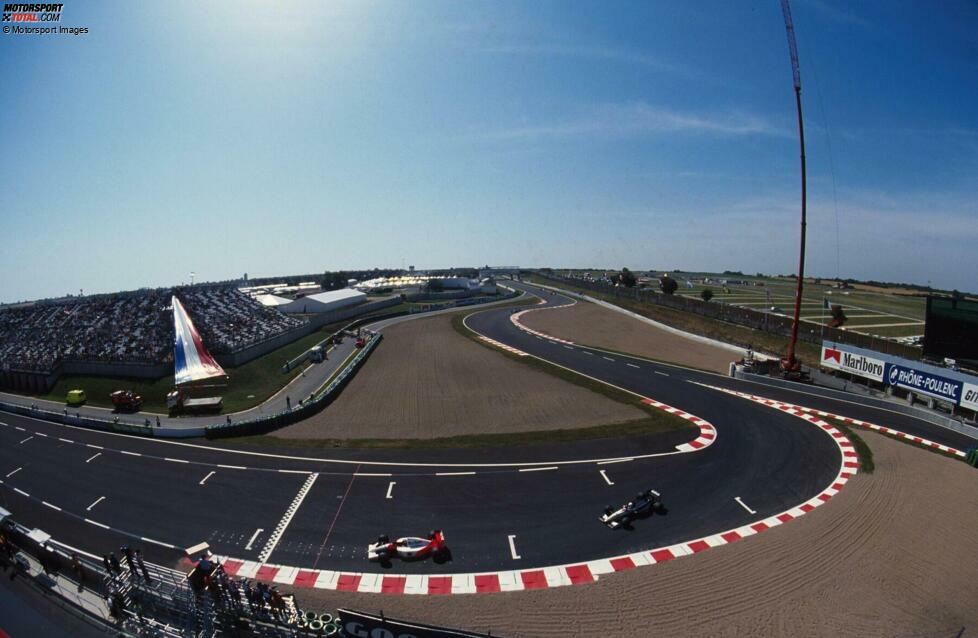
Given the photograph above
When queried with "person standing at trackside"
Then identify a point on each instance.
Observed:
(76, 568)
(288, 402)
(157, 420)
(142, 566)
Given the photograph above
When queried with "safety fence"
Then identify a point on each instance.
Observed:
(304, 409)
(130, 597)
(764, 321)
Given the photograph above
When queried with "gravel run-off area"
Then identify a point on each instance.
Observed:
(425, 380)
(591, 325)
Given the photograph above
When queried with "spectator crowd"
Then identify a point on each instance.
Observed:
(133, 327)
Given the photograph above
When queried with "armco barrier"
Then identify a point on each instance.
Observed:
(67, 418)
(924, 415)
(764, 321)
(265, 424)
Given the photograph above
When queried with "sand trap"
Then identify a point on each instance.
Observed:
(590, 324)
(425, 380)
(894, 554)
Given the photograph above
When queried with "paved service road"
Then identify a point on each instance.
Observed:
(501, 508)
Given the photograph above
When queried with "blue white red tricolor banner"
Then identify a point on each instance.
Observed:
(191, 361)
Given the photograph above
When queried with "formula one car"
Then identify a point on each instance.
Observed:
(408, 547)
(644, 504)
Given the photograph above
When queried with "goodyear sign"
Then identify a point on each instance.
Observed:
(854, 363)
(969, 396)
(924, 382)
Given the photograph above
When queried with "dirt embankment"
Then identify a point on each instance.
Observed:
(425, 381)
(892, 555)
(590, 324)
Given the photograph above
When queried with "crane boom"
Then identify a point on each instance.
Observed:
(789, 365)
(792, 47)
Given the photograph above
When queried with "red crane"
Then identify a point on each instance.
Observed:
(789, 365)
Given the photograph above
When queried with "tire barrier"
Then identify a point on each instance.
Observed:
(301, 411)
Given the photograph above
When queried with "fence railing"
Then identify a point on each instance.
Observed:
(764, 321)
(302, 410)
(139, 598)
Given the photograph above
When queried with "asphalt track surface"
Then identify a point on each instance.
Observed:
(317, 510)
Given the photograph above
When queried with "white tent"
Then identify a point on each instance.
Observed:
(325, 301)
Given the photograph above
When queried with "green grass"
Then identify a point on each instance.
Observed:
(638, 427)
(848, 431)
(249, 385)
(863, 451)
(665, 420)
(807, 353)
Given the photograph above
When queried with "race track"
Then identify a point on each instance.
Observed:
(501, 509)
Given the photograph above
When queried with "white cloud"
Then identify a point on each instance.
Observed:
(584, 51)
(640, 118)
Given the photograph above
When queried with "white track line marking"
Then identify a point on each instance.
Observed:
(129, 453)
(93, 457)
(96, 523)
(390, 488)
(166, 458)
(54, 507)
(744, 505)
(371, 474)
(26, 440)
(454, 473)
(204, 480)
(286, 519)
(97, 501)
(293, 471)
(661, 373)
(607, 359)
(14, 472)
(65, 440)
(232, 467)
(609, 462)
(94, 447)
(586, 352)
(21, 492)
(632, 365)
(253, 537)
(41, 434)
(605, 477)
(512, 547)
(538, 469)
(568, 347)
(340, 461)
(161, 544)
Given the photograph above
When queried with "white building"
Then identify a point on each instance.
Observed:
(324, 301)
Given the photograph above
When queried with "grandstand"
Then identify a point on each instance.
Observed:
(131, 327)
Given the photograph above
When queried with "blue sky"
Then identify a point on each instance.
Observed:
(275, 138)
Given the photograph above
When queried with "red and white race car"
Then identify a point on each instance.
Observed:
(408, 547)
